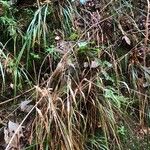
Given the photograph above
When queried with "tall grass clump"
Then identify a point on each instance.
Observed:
(86, 66)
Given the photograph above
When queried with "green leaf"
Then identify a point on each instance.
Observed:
(82, 44)
(35, 56)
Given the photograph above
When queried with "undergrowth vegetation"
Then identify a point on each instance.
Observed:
(85, 68)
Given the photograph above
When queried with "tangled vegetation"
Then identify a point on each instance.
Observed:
(75, 74)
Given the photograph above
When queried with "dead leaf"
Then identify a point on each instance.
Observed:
(94, 64)
(57, 38)
(126, 39)
(142, 132)
(12, 135)
(25, 107)
(64, 46)
(12, 85)
(86, 64)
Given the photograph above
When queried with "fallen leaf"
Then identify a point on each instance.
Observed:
(25, 107)
(94, 64)
(126, 39)
(12, 86)
(12, 135)
(86, 64)
(57, 38)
